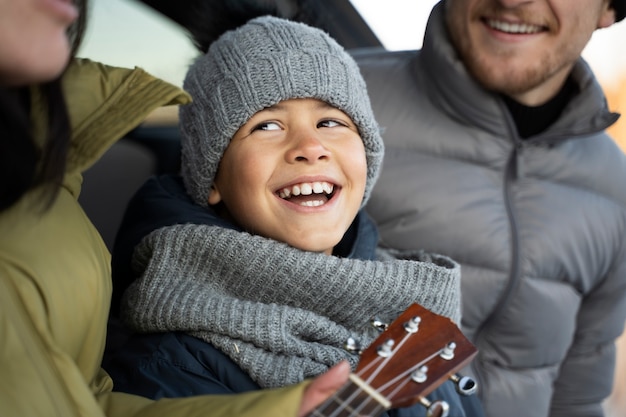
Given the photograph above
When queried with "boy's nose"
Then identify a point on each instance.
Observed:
(307, 147)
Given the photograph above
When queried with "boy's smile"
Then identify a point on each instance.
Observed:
(295, 172)
(310, 194)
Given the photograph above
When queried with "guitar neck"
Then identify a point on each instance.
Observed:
(418, 352)
(355, 398)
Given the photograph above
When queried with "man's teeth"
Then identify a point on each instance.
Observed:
(516, 28)
(306, 188)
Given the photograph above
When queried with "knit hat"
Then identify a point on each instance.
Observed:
(620, 9)
(256, 66)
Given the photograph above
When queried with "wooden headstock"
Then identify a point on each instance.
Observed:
(418, 352)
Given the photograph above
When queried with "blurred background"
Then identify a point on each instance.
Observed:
(128, 33)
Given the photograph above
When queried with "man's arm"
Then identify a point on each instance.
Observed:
(586, 375)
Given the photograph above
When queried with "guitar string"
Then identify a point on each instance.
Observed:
(333, 399)
(405, 376)
(407, 373)
(344, 405)
(380, 364)
(384, 361)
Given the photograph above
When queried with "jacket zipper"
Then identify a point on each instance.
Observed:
(514, 171)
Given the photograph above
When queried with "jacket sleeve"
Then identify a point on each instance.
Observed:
(586, 375)
(40, 379)
(283, 402)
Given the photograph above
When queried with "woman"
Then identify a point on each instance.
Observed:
(55, 121)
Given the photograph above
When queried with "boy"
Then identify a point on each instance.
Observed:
(262, 280)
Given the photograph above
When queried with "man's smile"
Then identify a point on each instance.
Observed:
(518, 28)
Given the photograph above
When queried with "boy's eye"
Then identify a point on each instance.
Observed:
(330, 123)
(267, 126)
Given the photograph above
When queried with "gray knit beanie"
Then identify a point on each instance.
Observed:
(261, 63)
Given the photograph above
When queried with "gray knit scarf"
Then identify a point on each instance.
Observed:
(280, 313)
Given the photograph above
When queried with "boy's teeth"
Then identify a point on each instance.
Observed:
(314, 203)
(317, 187)
(306, 189)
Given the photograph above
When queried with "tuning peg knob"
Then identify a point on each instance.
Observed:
(353, 346)
(412, 326)
(378, 324)
(447, 352)
(384, 350)
(435, 409)
(465, 385)
(420, 375)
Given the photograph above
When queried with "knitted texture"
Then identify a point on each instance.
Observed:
(280, 313)
(263, 62)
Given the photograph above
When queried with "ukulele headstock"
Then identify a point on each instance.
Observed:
(413, 356)
(418, 352)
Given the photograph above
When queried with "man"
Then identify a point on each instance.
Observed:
(497, 156)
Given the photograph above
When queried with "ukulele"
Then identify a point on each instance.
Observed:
(418, 352)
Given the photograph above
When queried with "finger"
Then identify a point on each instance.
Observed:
(323, 387)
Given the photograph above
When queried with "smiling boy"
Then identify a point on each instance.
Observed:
(258, 271)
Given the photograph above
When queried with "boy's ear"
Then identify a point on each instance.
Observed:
(214, 196)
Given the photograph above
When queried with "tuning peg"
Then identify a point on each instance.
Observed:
(420, 375)
(378, 324)
(353, 346)
(412, 326)
(435, 409)
(465, 385)
(384, 350)
(447, 352)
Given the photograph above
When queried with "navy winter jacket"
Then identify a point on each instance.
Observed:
(176, 364)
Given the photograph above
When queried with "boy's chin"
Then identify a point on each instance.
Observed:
(319, 246)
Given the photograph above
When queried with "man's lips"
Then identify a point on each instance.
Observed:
(514, 28)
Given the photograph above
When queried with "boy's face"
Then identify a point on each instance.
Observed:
(295, 172)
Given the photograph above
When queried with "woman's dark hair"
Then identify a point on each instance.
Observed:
(22, 164)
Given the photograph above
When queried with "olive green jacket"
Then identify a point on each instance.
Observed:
(55, 284)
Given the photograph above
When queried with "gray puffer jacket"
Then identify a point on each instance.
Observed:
(539, 226)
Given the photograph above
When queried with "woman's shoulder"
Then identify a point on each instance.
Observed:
(105, 102)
